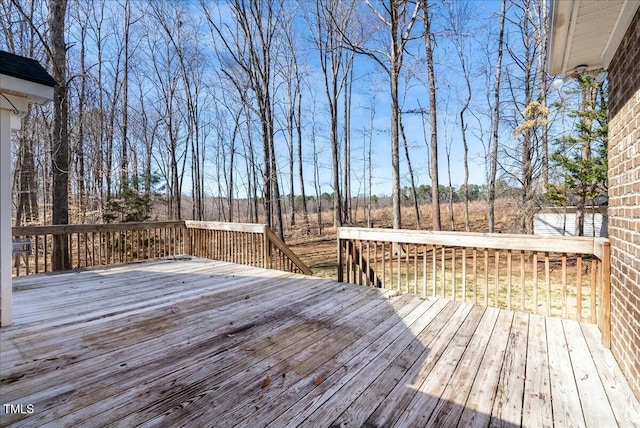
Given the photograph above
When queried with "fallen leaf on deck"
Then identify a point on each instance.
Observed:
(318, 380)
(265, 382)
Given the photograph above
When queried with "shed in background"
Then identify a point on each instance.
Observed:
(560, 221)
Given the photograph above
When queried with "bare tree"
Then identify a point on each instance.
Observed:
(346, 126)
(458, 15)
(372, 115)
(20, 38)
(59, 134)
(185, 43)
(433, 117)
(398, 21)
(124, 152)
(250, 47)
(412, 181)
(331, 21)
(541, 36)
(493, 160)
(293, 80)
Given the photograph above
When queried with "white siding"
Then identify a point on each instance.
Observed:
(560, 224)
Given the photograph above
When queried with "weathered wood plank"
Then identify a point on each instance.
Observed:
(625, 408)
(595, 405)
(123, 338)
(451, 402)
(239, 364)
(302, 379)
(477, 409)
(407, 387)
(230, 227)
(89, 228)
(507, 406)
(567, 410)
(363, 406)
(296, 414)
(424, 402)
(345, 392)
(537, 410)
(348, 388)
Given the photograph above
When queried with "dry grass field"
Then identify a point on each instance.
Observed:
(319, 252)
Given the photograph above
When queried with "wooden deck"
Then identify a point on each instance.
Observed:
(203, 343)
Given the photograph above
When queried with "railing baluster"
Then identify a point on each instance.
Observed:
(443, 277)
(522, 282)
(564, 285)
(37, 242)
(453, 273)
(360, 266)
(593, 290)
(579, 288)
(407, 254)
(464, 274)
(399, 254)
(475, 276)
(496, 275)
(434, 270)
(424, 270)
(509, 279)
(547, 281)
(486, 277)
(535, 284)
(415, 268)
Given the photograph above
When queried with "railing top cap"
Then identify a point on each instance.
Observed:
(498, 241)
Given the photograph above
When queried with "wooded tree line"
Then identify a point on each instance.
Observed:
(166, 102)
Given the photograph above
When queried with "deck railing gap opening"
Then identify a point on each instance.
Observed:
(565, 277)
(92, 245)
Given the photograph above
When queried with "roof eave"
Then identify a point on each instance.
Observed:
(34, 92)
(564, 16)
(562, 19)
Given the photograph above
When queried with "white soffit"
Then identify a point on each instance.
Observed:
(587, 32)
(34, 92)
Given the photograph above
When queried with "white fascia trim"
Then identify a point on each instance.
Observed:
(627, 12)
(35, 92)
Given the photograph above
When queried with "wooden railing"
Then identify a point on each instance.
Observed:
(99, 244)
(244, 243)
(109, 244)
(566, 277)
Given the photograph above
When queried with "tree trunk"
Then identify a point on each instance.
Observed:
(414, 191)
(394, 70)
(27, 209)
(305, 210)
(124, 159)
(589, 94)
(60, 135)
(542, 70)
(347, 142)
(493, 167)
(433, 120)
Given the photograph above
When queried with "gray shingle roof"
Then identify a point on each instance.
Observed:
(24, 68)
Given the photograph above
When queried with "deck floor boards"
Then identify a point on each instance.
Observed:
(193, 342)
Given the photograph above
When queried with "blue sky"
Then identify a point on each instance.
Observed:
(369, 79)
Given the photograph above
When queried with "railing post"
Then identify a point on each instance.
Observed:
(340, 259)
(605, 294)
(267, 247)
(186, 240)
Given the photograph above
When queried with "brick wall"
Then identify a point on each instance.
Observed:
(624, 203)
